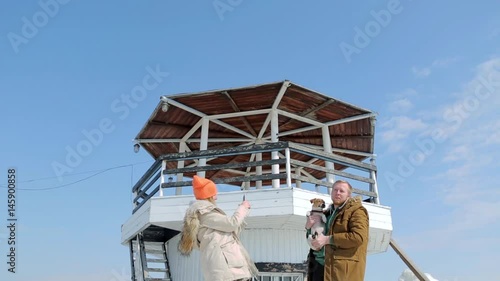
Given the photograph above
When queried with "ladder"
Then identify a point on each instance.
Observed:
(149, 260)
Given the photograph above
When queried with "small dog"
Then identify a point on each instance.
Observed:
(317, 210)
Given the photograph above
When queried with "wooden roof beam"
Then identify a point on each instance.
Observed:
(237, 109)
(203, 115)
(331, 123)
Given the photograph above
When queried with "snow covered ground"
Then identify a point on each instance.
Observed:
(407, 275)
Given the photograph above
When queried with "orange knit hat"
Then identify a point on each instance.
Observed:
(203, 188)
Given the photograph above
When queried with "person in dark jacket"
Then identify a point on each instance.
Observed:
(343, 245)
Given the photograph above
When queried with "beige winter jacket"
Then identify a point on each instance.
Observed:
(222, 256)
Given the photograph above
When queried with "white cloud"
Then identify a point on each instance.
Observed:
(492, 133)
(400, 105)
(400, 127)
(474, 140)
(483, 214)
(457, 153)
(467, 181)
(407, 275)
(494, 33)
(421, 72)
(494, 138)
(472, 119)
(444, 62)
(401, 102)
(407, 93)
(471, 177)
(397, 128)
(493, 29)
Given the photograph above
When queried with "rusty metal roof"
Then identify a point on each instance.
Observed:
(242, 116)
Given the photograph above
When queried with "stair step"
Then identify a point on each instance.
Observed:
(154, 251)
(149, 246)
(156, 260)
(153, 243)
(157, 269)
(149, 243)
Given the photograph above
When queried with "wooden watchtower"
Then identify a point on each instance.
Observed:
(279, 144)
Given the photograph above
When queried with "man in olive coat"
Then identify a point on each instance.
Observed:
(342, 256)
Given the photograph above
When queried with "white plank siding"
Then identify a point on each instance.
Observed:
(183, 267)
(276, 245)
(136, 223)
(275, 227)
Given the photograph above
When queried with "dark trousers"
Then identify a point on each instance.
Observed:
(316, 271)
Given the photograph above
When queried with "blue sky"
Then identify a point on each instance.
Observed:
(431, 69)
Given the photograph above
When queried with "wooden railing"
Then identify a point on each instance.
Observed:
(281, 167)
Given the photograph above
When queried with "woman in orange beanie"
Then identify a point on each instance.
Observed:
(216, 235)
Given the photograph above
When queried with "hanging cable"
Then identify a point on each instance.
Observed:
(98, 172)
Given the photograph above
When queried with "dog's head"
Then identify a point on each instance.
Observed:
(317, 203)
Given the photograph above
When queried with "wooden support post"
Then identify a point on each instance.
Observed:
(274, 139)
(419, 274)
(132, 260)
(258, 170)
(144, 262)
(327, 147)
